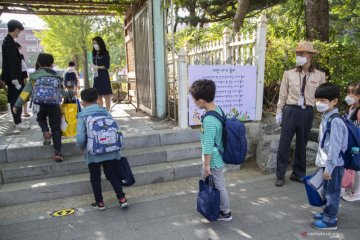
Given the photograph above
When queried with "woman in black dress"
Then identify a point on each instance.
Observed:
(101, 61)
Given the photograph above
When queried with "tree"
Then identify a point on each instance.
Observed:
(317, 20)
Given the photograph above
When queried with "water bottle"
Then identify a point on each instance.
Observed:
(355, 150)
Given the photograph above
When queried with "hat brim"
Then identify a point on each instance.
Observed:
(306, 50)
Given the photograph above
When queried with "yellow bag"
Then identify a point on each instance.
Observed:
(69, 111)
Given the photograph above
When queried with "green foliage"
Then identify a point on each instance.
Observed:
(3, 101)
(67, 37)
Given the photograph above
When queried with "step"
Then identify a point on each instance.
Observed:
(18, 152)
(47, 168)
(75, 185)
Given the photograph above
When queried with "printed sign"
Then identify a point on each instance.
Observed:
(235, 90)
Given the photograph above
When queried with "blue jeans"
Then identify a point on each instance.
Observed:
(332, 194)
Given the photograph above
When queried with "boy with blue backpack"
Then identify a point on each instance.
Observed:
(333, 142)
(45, 87)
(203, 93)
(98, 134)
(71, 78)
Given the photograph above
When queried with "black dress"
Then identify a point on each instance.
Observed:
(102, 81)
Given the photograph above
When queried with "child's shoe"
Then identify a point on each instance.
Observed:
(318, 216)
(58, 157)
(225, 217)
(352, 197)
(123, 202)
(322, 225)
(47, 138)
(100, 206)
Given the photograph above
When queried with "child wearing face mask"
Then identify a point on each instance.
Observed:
(353, 100)
(328, 158)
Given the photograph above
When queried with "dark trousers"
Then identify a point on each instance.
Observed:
(111, 174)
(295, 121)
(13, 95)
(53, 113)
(332, 194)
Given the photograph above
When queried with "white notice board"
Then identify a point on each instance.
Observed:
(235, 90)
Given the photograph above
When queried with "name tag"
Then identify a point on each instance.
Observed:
(301, 102)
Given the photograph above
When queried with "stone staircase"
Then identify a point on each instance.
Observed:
(29, 174)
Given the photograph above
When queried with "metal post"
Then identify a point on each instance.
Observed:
(260, 62)
(183, 88)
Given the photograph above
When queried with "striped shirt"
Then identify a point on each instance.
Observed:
(211, 133)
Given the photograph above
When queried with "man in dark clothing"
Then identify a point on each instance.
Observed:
(12, 70)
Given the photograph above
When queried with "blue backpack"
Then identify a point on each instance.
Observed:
(234, 138)
(47, 90)
(351, 158)
(103, 134)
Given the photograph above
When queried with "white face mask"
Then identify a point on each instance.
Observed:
(349, 100)
(322, 107)
(96, 47)
(300, 61)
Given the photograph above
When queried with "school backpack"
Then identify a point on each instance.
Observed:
(70, 79)
(47, 90)
(234, 138)
(351, 157)
(103, 134)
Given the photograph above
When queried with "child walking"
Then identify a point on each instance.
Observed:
(71, 78)
(353, 100)
(95, 159)
(47, 91)
(328, 156)
(203, 93)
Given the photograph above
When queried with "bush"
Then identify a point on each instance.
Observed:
(3, 101)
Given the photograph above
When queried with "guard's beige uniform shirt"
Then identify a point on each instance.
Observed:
(291, 84)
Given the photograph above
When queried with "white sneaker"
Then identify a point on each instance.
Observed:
(22, 126)
(352, 197)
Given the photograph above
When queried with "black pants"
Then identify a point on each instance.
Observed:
(53, 113)
(299, 121)
(13, 95)
(111, 174)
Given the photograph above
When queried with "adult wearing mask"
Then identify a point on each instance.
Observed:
(12, 70)
(295, 111)
(101, 64)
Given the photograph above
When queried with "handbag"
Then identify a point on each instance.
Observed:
(348, 179)
(314, 185)
(208, 199)
(126, 175)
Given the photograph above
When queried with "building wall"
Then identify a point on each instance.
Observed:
(30, 45)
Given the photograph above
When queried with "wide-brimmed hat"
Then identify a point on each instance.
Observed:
(305, 47)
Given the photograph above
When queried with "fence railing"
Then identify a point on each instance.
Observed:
(243, 49)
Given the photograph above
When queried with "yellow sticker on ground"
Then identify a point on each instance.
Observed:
(63, 212)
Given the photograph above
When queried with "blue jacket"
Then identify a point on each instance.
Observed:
(81, 135)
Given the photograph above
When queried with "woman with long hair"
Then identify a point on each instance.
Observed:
(101, 61)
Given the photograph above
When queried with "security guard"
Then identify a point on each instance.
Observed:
(295, 111)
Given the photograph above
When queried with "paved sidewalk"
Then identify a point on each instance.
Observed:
(131, 122)
(260, 211)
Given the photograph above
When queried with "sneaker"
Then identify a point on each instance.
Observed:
(322, 225)
(22, 126)
(225, 217)
(318, 216)
(280, 181)
(58, 157)
(123, 202)
(47, 138)
(100, 206)
(351, 197)
(295, 178)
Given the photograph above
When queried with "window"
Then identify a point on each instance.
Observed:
(30, 37)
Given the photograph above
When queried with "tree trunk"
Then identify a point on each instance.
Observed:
(241, 11)
(317, 20)
(85, 69)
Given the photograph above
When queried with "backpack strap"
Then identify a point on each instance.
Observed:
(328, 127)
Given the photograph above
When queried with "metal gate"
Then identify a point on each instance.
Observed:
(144, 59)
